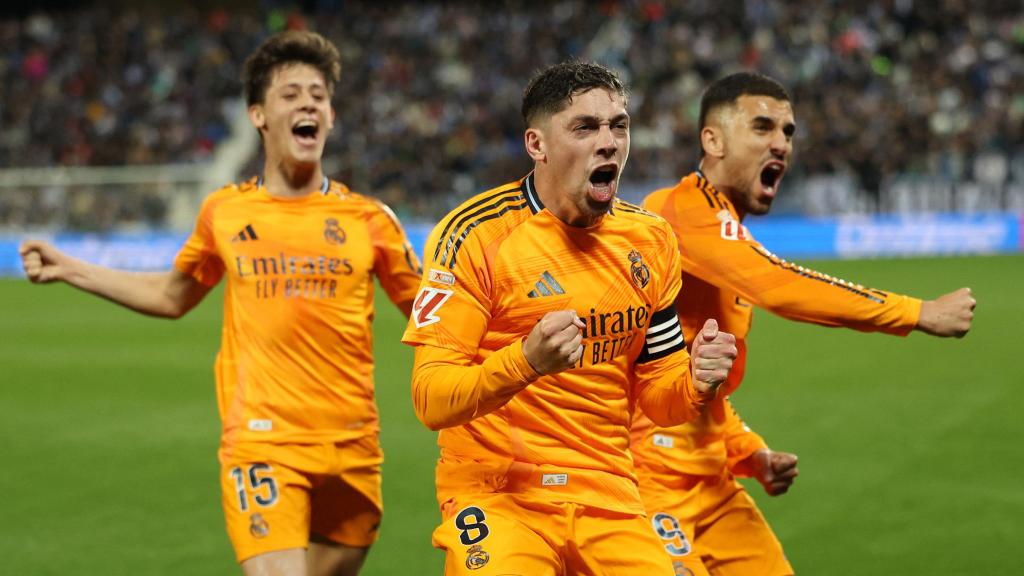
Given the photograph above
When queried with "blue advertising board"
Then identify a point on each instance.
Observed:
(787, 236)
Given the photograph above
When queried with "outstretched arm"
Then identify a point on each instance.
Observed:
(167, 294)
(716, 248)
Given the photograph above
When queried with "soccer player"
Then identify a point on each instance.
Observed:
(545, 315)
(300, 458)
(709, 524)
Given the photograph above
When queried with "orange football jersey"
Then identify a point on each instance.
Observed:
(725, 273)
(496, 265)
(296, 363)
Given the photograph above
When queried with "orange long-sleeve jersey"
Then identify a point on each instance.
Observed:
(725, 273)
(496, 265)
(296, 363)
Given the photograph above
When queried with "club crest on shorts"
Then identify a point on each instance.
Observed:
(639, 271)
(333, 232)
(258, 527)
(476, 557)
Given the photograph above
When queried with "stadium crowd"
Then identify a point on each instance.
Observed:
(428, 102)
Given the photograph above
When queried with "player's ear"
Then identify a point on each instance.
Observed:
(535, 146)
(256, 116)
(712, 142)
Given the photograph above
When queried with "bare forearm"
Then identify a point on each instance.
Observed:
(162, 294)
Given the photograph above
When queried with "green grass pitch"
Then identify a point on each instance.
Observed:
(910, 449)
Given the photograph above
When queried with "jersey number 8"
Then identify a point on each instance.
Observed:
(471, 521)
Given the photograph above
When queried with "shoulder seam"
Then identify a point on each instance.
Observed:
(703, 185)
(470, 227)
(634, 209)
(470, 216)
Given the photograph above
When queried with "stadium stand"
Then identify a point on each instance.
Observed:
(902, 106)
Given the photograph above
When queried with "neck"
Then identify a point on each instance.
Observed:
(560, 202)
(716, 175)
(291, 180)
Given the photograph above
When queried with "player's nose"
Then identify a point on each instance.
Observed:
(606, 142)
(781, 144)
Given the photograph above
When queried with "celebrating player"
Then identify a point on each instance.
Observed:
(545, 314)
(300, 458)
(709, 524)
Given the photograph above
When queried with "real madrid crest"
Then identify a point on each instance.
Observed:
(258, 527)
(638, 270)
(476, 557)
(333, 232)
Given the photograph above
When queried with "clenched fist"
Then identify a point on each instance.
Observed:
(948, 315)
(711, 357)
(42, 262)
(555, 343)
(774, 470)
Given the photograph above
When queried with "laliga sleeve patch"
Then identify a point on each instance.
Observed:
(427, 303)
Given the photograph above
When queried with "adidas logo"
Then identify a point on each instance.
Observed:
(552, 287)
(246, 234)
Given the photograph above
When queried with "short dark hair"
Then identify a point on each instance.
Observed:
(726, 91)
(551, 90)
(289, 47)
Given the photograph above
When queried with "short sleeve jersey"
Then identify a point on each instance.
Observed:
(295, 363)
(725, 273)
(495, 266)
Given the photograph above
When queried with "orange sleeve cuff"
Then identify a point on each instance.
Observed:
(911, 315)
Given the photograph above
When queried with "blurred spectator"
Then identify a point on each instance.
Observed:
(428, 106)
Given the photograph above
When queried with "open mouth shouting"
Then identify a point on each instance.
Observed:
(305, 132)
(771, 175)
(603, 183)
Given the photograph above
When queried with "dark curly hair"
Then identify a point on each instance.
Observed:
(726, 91)
(289, 47)
(551, 90)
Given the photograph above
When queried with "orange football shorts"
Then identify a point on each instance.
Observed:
(709, 525)
(276, 495)
(504, 534)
